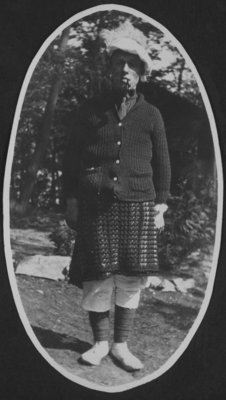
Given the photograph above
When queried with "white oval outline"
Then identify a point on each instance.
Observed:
(6, 209)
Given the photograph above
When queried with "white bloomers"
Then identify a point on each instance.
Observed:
(97, 295)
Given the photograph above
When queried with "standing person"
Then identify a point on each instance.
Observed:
(116, 182)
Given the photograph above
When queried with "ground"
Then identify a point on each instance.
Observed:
(53, 310)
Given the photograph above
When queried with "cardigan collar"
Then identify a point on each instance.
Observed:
(116, 100)
(107, 102)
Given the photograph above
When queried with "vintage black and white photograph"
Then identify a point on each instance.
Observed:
(112, 199)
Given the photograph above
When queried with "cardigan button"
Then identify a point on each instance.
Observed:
(119, 142)
(115, 179)
(117, 161)
(119, 124)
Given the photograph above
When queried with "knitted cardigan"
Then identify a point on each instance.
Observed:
(127, 159)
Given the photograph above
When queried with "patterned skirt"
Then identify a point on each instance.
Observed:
(114, 237)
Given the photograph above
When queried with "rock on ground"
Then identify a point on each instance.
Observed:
(50, 267)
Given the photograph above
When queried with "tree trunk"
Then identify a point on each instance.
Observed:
(53, 178)
(182, 67)
(45, 129)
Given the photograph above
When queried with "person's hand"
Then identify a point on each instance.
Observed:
(159, 221)
(159, 216)
(71, 214)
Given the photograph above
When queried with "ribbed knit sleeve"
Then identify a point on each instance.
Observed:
(72, 160)
(161, 161)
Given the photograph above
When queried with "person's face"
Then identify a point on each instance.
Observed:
(126, 69)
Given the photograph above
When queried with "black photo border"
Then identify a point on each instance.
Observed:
(200, 372)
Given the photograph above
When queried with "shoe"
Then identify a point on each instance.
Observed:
(125, 358)
(95, 355)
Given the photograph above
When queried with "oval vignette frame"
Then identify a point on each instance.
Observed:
(8, 252)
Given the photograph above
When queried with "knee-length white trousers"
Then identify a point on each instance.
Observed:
(97, 295)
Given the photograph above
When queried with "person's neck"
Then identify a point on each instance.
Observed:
(127, 95)
(131, 93)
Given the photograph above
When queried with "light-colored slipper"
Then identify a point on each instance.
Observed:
(125, 358)
(95, 355)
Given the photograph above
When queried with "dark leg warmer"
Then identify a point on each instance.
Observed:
(123, 323)
(99, 322)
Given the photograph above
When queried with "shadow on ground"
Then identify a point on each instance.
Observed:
(60, 341)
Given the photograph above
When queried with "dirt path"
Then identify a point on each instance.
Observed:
(53, 309)
(62, 328)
